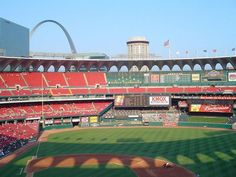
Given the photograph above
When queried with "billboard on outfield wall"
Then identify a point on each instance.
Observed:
(210, 108)
(84, 119)
(159, 100)
(57, 121)
(154, 78)
(232, 76)
(76, 120)
(119, 100)
(49, 121)
(93, 119)
(66, 120)
(195, 77)
(183, 104)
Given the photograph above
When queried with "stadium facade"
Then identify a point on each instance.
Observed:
(14, 39)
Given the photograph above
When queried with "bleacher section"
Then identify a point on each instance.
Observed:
(169, 117)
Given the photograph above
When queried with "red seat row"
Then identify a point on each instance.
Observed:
(34, 110)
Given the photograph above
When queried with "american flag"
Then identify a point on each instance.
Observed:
(214, 50)
(167, 43)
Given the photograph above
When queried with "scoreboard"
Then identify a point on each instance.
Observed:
(142, 101)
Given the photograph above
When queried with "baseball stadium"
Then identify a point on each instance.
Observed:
(80, 116)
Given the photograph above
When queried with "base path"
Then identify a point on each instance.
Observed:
(142, 166)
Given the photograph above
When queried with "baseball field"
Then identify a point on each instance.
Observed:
(206, 152)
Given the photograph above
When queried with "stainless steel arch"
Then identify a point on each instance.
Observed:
(72, 46)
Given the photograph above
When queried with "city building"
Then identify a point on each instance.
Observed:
(138, 47)
(14, 39)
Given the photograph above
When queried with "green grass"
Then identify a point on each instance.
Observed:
(208, 119)
(88, 171)
(207, 152)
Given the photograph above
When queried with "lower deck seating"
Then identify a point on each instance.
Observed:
(15, 135)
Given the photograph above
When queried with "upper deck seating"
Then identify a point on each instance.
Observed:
(75, 79)
(94, 78)
(55, 78)
(34, 80)
(13, 79)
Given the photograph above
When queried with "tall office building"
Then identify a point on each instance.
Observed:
(138, 47)
(14, 39)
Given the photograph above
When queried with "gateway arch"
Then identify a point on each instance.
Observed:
(72, 46)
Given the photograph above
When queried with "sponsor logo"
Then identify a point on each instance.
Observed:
(159, 100)
(232, 76)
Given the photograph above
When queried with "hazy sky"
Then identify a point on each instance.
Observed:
(106, 25)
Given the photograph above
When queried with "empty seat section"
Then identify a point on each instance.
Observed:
(2, 82)
(193, 89)
(40, 92)
(22, 92)
(94, 78)
(79, 91)
(60, 91)
(13, 79)
(136, 90)
(100, 106)
(17, 111)
(34, 79)
(118, 90)
(156, 90)
(5, 93)
(174, 90)
(98, 91)
(55, 78)
(75, 79)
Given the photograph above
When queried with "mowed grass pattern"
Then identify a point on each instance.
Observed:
(206, 152)
(88, 171)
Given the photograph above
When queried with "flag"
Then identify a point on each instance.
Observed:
(167, 43)
(233, 49)
(204, 50)
(186, 51)
(214, 50)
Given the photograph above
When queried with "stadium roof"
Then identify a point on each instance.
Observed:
(35, 63)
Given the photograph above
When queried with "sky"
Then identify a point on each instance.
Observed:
(106, 25)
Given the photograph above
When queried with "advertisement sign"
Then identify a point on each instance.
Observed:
(57, 121)
(232, 76)
(119, 100)
(84, 119)
(76, 120)
(218, 97)
(195, 77)
(50, 121)
(182, 104)
(213, 75)
(66, 120)
(159, 100)
(210, 108)
(154, 78)
(93, 119)
(146, 77)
